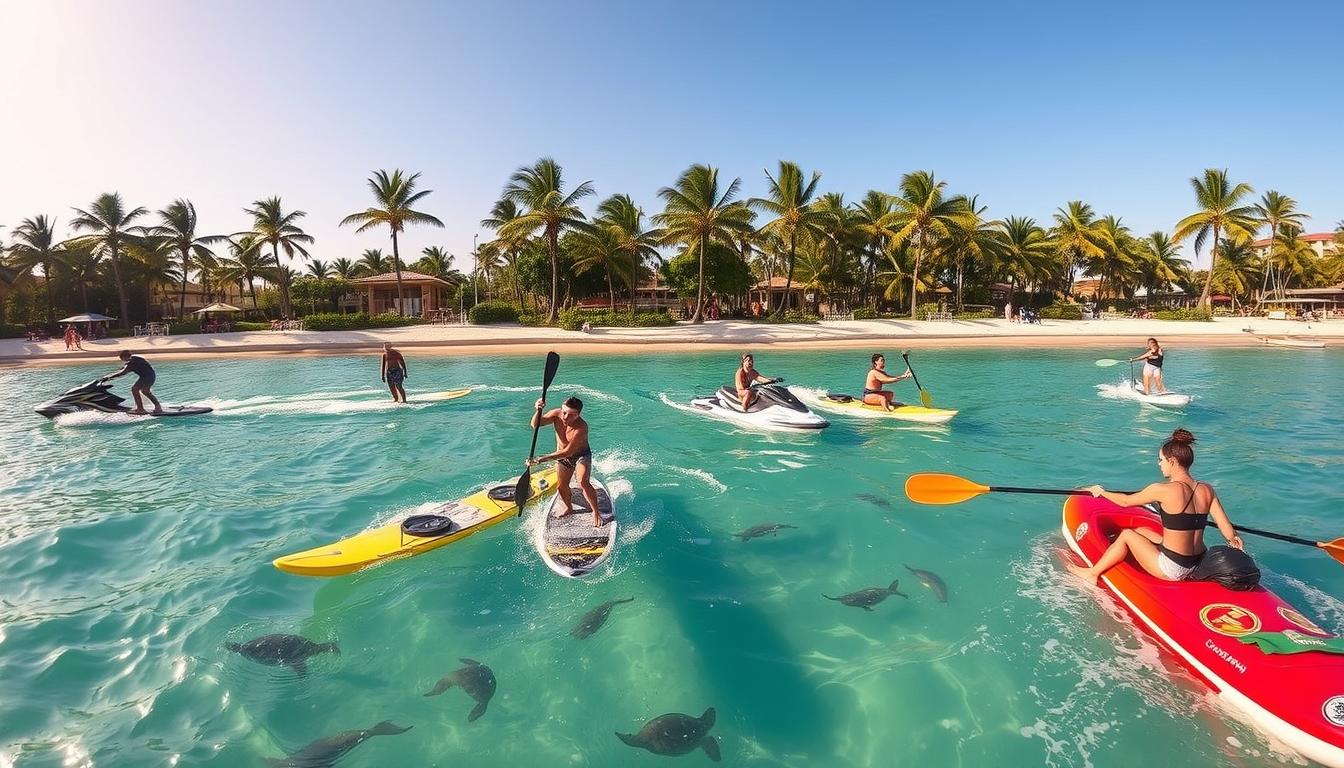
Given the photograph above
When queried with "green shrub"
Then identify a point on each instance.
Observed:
(179, 327)
(981, 314)
(1196, 314)
(8, 331)
(792, 316)
(488, 312)
(865, 313)
(532, 319)
(573, 319)
(334, 321)
(1062, 312)
(243, 325)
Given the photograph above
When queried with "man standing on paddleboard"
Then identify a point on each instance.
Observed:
(394, 372)
(144, 380)
(573, 455)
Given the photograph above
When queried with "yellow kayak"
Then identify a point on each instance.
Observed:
(452, 522)
(917, 413)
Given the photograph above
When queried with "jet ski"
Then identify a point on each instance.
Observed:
(775, 408)
(97, 395)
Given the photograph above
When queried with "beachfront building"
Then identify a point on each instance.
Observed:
(768, 293)
(422, 294)
(1320, 242)
(168, 298)
(1090, 288)
(650, 296)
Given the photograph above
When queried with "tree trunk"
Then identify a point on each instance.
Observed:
(252, 289)
(84, 295)
(552, 236)
(186, 267)
(518, 285)
(396, 265)
(51, 309)
(284, 281)
(788, 278)
(1213, 262)
(611, 292)
(700, 285)
(914, 282)
(122, 300)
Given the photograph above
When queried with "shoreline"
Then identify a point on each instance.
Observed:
(518, 340)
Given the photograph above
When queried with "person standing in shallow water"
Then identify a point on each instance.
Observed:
(394, 372)
(1173, 552)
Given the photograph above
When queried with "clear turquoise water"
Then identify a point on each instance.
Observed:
(130, 552)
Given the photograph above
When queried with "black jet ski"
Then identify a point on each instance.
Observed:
(97, 395)
(775, 408)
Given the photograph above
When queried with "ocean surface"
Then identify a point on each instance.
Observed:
(133, 550)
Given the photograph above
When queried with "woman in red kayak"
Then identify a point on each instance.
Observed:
(1173, 553)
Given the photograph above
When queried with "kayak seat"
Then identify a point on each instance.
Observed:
(503, 492)
(840, 398)
(427, 525)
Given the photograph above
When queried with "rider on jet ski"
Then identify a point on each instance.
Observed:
(144, 373)
(746, 376)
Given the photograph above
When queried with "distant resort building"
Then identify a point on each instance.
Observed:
(422, 293)
(1320, 242)
(168, 298)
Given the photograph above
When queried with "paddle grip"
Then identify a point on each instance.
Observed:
(906, 357)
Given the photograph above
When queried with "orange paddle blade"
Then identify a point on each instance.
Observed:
(940, 488)
(1334, 548)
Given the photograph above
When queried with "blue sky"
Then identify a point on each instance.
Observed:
(1027, 105)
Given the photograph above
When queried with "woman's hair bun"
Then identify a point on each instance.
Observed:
(1183, 435)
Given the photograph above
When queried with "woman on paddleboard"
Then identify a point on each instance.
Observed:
(1173, 553)
(873, 393)
(1152, 368)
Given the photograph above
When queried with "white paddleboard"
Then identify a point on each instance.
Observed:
(571, 545)
(1128, 391)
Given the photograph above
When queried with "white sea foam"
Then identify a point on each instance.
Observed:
(699, 474)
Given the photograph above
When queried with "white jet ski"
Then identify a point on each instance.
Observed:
(775, 408)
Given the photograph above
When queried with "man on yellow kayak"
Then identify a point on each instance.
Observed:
(873, 393)
(573, 454)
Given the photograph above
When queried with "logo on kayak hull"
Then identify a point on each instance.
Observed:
(1333, 709)
(1297, 618)
(1228, 619)
(1080, 532)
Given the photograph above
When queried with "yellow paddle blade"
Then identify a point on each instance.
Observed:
(940, 488)
(926, 398)
(1334, 548)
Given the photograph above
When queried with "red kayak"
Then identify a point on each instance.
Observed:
(1297, 696)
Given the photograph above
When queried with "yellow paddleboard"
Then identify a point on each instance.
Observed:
(917, 413)
(475, 513)
(451, 394)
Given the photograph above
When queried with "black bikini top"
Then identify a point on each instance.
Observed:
(1183, 520)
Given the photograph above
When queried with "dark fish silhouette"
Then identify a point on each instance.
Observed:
(676, 734)
(324, 753)
(594, 619)
(476, 679)
(877, 501)
(764, 529)
(282, 650)
(867, 598)
(932, 581)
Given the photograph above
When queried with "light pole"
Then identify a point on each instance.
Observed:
(476, 271)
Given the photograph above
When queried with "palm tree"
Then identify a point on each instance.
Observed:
(108, 222)
(596, 248)
(1117, 260)
(976, 241)
(1025, 251)
(153, 261)
(372, 262)
(1277, 211)
(394, 195)
(875, 223)
(924, 216)
(247, 263)
(178, 224)
(789, 200)
(508, 245)
(319, 269)
(1291, 257)
(82, 262)
(1076, 236)
(637, 244)
(35, 245)
(1160, 264)
(438, 262)
(345, 269)
(697, 214)
(539, 193)
(489, 260)
(1221, 210)
(1239, 270)
(272, 226)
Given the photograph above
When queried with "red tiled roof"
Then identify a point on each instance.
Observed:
(778, 282)
(391, 277)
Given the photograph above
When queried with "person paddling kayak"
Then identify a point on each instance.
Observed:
(1173, 553)
(873, 393)
(394, 372)
(144, 381)
(1152, 368)
(573, 454)
(745, 377)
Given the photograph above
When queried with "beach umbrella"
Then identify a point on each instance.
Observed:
(87, 317)
(218, 307)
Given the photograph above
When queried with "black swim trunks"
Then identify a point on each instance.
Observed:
(586, 457)
(395, 375)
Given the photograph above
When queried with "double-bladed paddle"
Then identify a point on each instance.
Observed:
(941, 488)
(924, 396)
(523, 490)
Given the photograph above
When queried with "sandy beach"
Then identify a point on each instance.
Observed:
(512, 339)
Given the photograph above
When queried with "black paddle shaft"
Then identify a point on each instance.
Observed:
(1209, 524)
(906, 357)
(524, 488)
